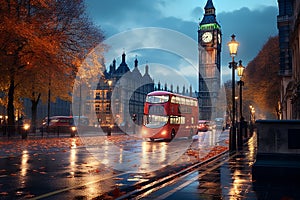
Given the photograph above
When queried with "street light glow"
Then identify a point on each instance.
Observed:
(233, 46)
(240, 69)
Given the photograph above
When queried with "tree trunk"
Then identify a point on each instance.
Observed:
(34, 104)
(10, 108)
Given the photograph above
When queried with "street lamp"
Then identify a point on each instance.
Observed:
(250, 119)
(253, 115)
(108, 96)
(250, 114)
(233, 46)
(240, 71)
(236, 98)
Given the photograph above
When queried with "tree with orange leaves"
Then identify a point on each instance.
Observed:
(42, 45)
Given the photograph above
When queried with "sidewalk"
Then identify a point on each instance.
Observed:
(231, 178)
(38, 135)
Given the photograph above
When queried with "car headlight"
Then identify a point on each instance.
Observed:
(73, 128)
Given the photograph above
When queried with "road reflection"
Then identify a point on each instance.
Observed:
(132, 154)
(73, 158)
(140, 156)
(24, 163)
(24, 167)
(155, 151)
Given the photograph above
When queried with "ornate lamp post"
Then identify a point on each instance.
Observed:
(233, 46)
(250, 113)
(240, 71)
(253, 115)
(236, 98)
(108, 97)
(250, 119)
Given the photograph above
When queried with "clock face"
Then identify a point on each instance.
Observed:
(207, 37)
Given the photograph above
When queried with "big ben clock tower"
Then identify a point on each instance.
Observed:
(209, 45)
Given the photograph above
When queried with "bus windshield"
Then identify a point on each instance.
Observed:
(155, 121)
(157, 99)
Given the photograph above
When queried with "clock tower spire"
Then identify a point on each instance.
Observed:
(209, 44)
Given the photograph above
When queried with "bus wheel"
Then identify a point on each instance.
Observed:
(173, 134)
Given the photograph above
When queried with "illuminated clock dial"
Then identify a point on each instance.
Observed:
(207, 37)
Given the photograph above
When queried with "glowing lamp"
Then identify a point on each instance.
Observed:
(233, 46)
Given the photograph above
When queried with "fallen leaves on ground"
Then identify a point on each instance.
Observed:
(117, 192)
(208, 152)
(15, 147)
(216, 150)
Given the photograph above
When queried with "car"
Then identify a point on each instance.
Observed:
(203, 126)
(59, 124)
(220, 124)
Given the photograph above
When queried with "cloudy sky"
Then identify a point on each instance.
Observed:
(126, 23)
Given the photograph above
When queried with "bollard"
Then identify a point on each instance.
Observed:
(109, 131)
(24, 134)
(73, 131)
(25, 131)
(72, 134)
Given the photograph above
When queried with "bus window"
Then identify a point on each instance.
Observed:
(156, 110)
(185, 109)
(157, 99)
(177, 120)
(175, 99)
(174, 120)
(188, 102)
(180, 101)
(195, 103)
(155, 121)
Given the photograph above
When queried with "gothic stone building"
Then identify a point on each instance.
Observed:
(288, 22)
(121, 94)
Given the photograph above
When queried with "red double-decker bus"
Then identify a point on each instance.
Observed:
(167, 115)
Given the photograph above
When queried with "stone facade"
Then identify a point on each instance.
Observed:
(289, 32)
(295, 45)
(121, 94)
(209, 42)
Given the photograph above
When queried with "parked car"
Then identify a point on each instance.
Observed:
(59, 124)
(203, 125)
(220, 124)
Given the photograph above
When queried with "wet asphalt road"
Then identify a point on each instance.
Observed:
(87, 167)
(32, 174)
